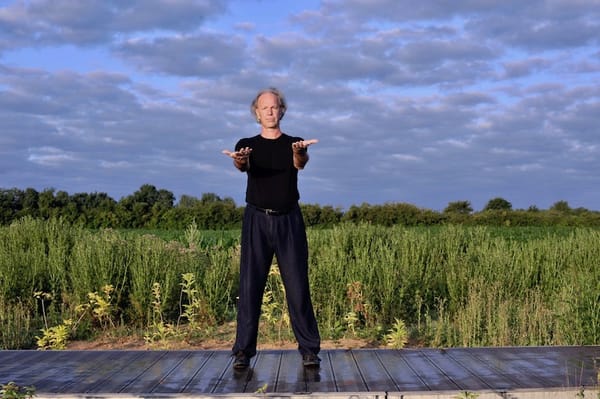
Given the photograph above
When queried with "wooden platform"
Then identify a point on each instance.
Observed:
(535, 372)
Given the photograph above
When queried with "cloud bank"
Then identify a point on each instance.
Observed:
(423, 103)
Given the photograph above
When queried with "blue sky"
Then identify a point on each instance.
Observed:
(421, 102)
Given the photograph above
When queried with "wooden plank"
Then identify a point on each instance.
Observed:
(568, 366)
(291, 377)
(555, 370)
(15, 365)
(399, 369)
(321, 379)
(148, 380)
(36, 373)
(70, 371)
(581, 362)
(427, 372)
(493, 378)
(211, 373)
(518, 365)
(124, 368)
(9, 358)
(515, 365)
(96, 369)
(183, 373)
(376, 376)
(455, 371)
(266, 372)
(231, 380)
(346, 372)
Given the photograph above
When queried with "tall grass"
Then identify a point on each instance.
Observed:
(459, 286)
(450, 285)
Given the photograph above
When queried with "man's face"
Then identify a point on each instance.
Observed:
(267, 110)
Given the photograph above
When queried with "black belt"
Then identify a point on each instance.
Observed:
(272, 212)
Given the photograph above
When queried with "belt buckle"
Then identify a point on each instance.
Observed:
(270, 212)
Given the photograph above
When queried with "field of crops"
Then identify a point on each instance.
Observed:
(439, 286)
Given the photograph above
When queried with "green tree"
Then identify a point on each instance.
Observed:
(561, 206)
(30, 203)
(47, 203)
(498, 204)
(188, 201)
(209, 198)
(11, 203)
(315, 215)
(459, 207)
(145, 206)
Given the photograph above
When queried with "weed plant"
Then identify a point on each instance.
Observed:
(445, 285)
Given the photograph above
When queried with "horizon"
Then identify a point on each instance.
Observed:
(343, 209)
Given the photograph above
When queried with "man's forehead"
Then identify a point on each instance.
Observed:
(267, 98)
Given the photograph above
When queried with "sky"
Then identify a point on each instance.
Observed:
(427, 102)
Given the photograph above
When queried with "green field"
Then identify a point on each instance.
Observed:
(438, 286)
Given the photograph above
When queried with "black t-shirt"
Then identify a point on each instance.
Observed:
(272, 177)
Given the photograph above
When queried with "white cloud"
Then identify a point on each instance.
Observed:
(115, 165)
(49, 156)
(407, 157)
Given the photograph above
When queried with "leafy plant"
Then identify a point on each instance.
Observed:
(56, 337)
(262, 389)
(195, 310)
(160, 332)
(467, 395)
(13, 391)
(397, 336)
(99, 306)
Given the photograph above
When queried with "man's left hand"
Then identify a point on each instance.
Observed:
(302, 145)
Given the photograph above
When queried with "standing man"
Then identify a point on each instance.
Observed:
(273, 225)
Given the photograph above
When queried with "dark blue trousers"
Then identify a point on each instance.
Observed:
(284, 236)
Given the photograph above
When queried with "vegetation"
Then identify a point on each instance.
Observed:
(442, 286)
(14, 391)
(152, 208)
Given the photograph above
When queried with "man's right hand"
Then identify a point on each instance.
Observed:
(240, 157)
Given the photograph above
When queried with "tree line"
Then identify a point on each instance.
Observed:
(152, 208)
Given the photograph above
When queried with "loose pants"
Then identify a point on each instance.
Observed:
(284, 236)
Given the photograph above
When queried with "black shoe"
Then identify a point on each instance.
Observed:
(241, 361)
(311, 360)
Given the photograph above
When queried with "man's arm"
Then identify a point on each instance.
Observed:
(301, 153)
(300, 158)
(241, 158)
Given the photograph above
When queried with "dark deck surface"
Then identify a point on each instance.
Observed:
(391, 373)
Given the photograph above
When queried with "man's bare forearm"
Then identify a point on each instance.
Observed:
(300, 154)
(242, 164)
(300, 158)
(241, 158)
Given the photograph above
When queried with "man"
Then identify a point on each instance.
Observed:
(273, 225)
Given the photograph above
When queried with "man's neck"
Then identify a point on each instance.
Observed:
(270, 133)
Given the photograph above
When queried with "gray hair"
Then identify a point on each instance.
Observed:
(280, 100)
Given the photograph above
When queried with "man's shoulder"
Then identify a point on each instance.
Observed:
(251, 138)
(291, 139)
(246, 141)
